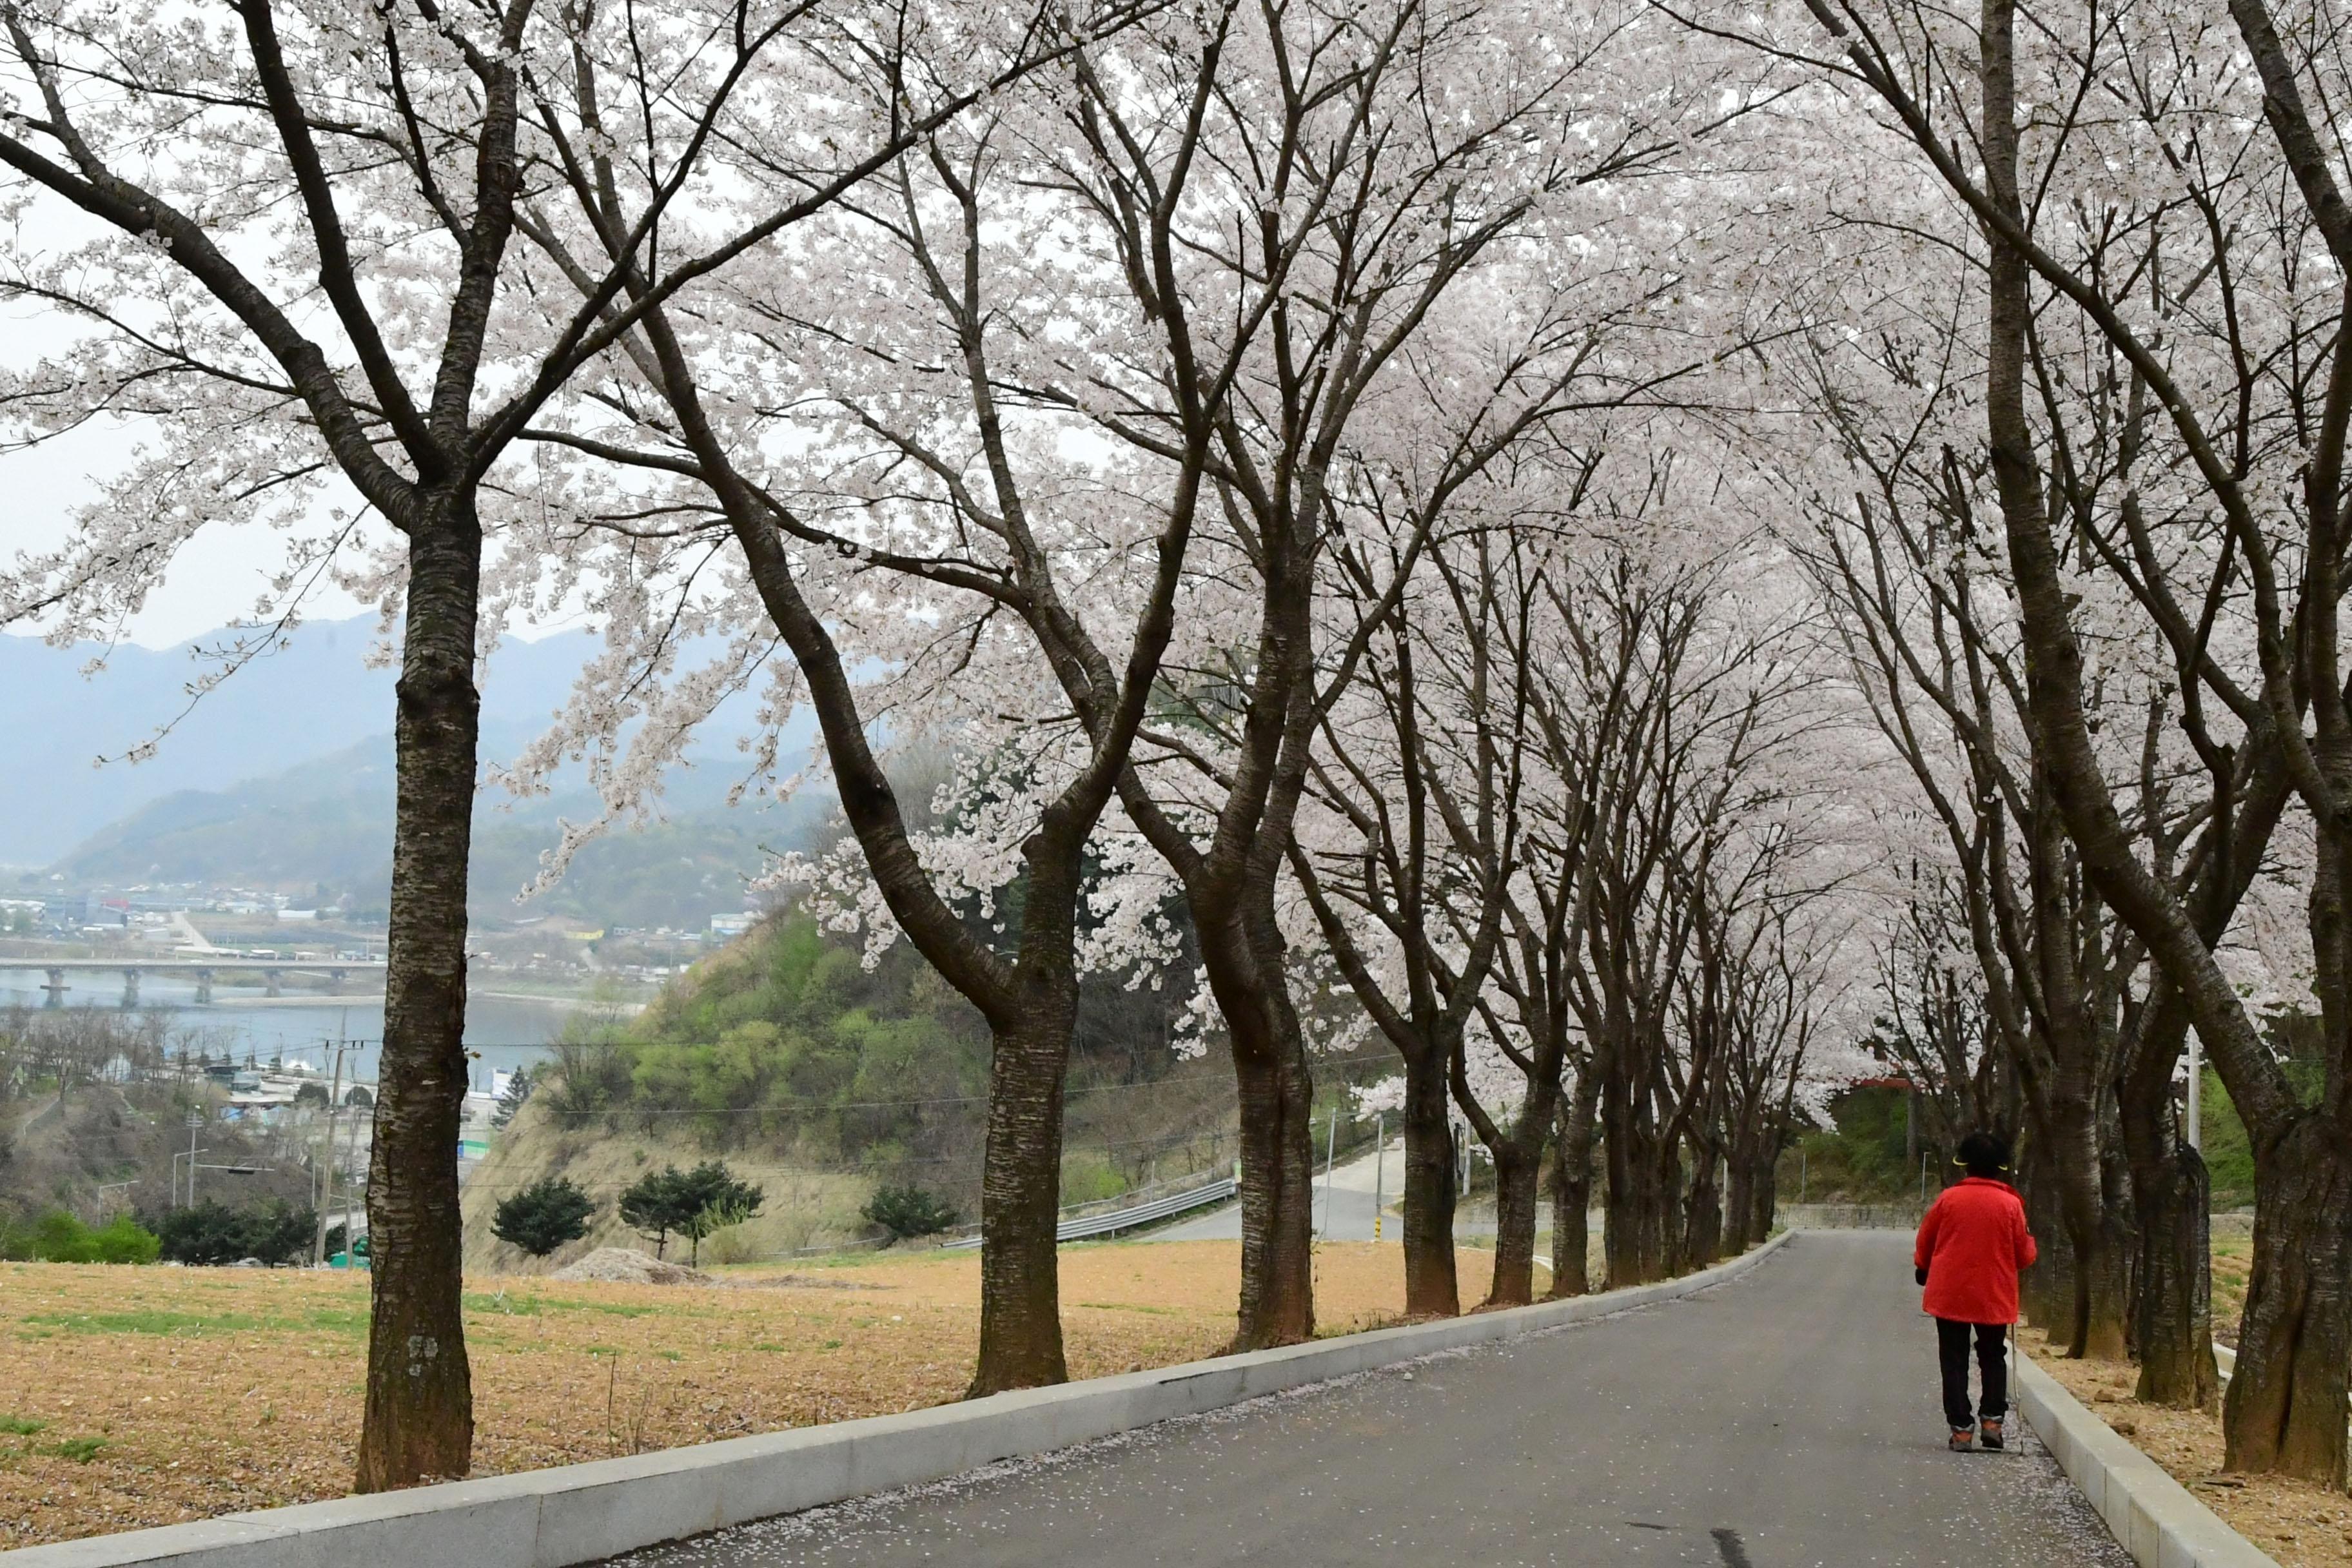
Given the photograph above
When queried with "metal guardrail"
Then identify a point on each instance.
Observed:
(1109, 1223)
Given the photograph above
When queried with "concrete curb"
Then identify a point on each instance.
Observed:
(2154, 1516)
(583, 1514)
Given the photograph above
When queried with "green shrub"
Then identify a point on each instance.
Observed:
(212, 1233)
(1088, 1178)
(123, 1240)
(908, 1212)
(57, 1237)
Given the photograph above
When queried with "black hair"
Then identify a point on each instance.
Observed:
(1984, 1153)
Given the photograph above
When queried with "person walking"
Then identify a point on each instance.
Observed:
(1970, 1247)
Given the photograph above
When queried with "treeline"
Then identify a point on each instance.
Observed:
(1247, 439)
(2091, 587)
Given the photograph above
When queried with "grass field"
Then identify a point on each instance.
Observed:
(132, 1396)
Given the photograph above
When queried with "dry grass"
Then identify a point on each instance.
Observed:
(2301, 1524)
(2233, 1260)
(139, 1396)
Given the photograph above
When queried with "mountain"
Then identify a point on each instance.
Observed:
(329, 822)
(314, 704)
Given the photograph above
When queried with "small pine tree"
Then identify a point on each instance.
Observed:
(711, 1197)
(544, 1216)
(910, 1212)
(511, 1099)
(654, 1206)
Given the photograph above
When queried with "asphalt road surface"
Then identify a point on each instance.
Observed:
(1787, 1418)
(1343, 1207)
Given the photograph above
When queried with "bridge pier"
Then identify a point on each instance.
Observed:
(203, 986)
(130, 988)
(54, 990)
(269, 983)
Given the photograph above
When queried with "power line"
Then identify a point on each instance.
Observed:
(973, 1158)
(630, 1107)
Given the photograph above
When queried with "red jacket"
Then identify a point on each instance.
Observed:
(1972, 1244)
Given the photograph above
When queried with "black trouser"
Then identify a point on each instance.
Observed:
(1992, 1359)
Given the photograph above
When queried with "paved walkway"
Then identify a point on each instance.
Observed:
(1343, 1206)
(1787, 1419)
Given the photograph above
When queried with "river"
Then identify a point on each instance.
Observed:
(506, 1030)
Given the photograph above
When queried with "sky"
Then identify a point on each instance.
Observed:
(213, 581)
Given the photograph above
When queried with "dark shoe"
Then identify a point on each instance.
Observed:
(1958, 1443)
(1989, 1434)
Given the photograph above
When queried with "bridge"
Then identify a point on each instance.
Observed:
(204, 969)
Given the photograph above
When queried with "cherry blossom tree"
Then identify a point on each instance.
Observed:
(293, 251)
(2187, 480)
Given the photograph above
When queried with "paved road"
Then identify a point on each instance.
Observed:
(1344, 1214)
(1786, 1420)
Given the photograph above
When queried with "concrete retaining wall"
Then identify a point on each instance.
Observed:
(1851, 1217)
(581, 1513)
(2151, 1514)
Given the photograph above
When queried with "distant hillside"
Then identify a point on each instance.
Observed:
(303, 704)
(329, 821)
(821, 1077)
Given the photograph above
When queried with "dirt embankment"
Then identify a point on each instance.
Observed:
(2300, 1525)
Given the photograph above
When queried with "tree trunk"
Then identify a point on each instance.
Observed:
(1277, 1301)
(2172, 1312)
(1636, 1227)
(1242, 953)
(1021, 1194)
(418, 1422)
(1430, 1290)
(1637, 1230)
(2296, 1311)
(2046, 1290)
(2111, 1283)
(2075, 1167)
(1764, 1193)
(1738, 1209)
(1571, 1194)
(1517, 1174)
(1703, 1210)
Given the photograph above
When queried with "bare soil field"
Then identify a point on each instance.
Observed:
(135, 1396)
(2301, 1524)
(2233, 1262)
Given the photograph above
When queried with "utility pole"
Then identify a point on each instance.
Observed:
(1330, 1148)
(350, 1254)
(327, 1190)
(2196, 1093)
(195, 1125)
(1379, 1166)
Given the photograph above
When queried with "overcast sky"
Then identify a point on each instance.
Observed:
(213, 582)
